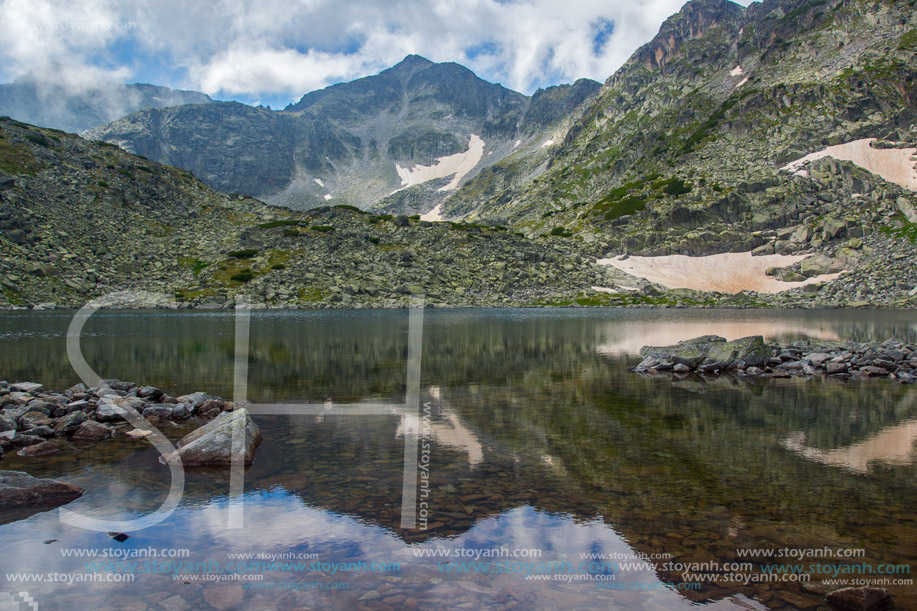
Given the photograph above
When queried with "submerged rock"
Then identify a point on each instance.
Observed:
(859, 599)
(45, 448)
(18, 489)
(211, 445)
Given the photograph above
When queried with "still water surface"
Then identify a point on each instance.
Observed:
(543, 454)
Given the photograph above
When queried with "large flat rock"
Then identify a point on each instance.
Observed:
(18, 489)
(211, 445)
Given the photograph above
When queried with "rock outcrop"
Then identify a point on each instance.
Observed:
(751, 356)
(18, 489)
(212, 444)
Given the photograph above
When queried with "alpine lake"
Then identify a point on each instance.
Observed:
(546, 475)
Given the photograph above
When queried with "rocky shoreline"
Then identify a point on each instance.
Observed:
(892, 359)
(35, 422)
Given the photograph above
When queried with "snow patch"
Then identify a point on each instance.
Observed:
(433, 215)
(547, 142)
(727, 272)
(457, 166)
(327, 196)
(518, 142)
(605, 289)
(319, 182)
(894, 165)
(737, 71)
(742, 82)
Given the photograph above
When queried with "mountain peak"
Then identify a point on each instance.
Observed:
(413, 60)
(694, 19)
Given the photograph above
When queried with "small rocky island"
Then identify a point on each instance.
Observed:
(752, 356)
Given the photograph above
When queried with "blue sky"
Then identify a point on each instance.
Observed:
(274, 51)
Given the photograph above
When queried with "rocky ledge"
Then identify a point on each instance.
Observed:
(751, 356)
(36, 423)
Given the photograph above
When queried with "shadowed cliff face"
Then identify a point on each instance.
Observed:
(345, 144)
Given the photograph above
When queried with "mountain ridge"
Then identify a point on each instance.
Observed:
(75, 108)
(353, 143)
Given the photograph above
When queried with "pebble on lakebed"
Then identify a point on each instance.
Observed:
(751, 356)
(32, 420)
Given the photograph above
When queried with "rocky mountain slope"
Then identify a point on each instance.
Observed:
(784, 129)
(684, 150)
(409, 135)
(81, 220)
(76, 108)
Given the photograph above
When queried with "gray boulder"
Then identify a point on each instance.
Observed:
(109, 409)
(80, 405)
(149, 392)
(69, 423)
(18, 489)
(31, 419)
(211, 444)
(92, 431)
(182, 411)
(710, 353)
(158, 410)
(690, 352)
(29, 387)
(751, 351)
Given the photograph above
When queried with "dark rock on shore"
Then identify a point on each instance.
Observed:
(29, 415)
(751, 356)
(92, 431)
(18, 489)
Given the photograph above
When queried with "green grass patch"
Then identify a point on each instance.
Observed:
(908, 40)
(704, 130)
(561, 232)
(351, 208)
(16, 160)
(290, 232)
(322, 228)
(245, 275)
(904, 230)
(37, 138)
(312, 295)
(195, 265)
(674, 186)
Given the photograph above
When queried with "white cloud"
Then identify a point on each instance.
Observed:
(289, 47)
